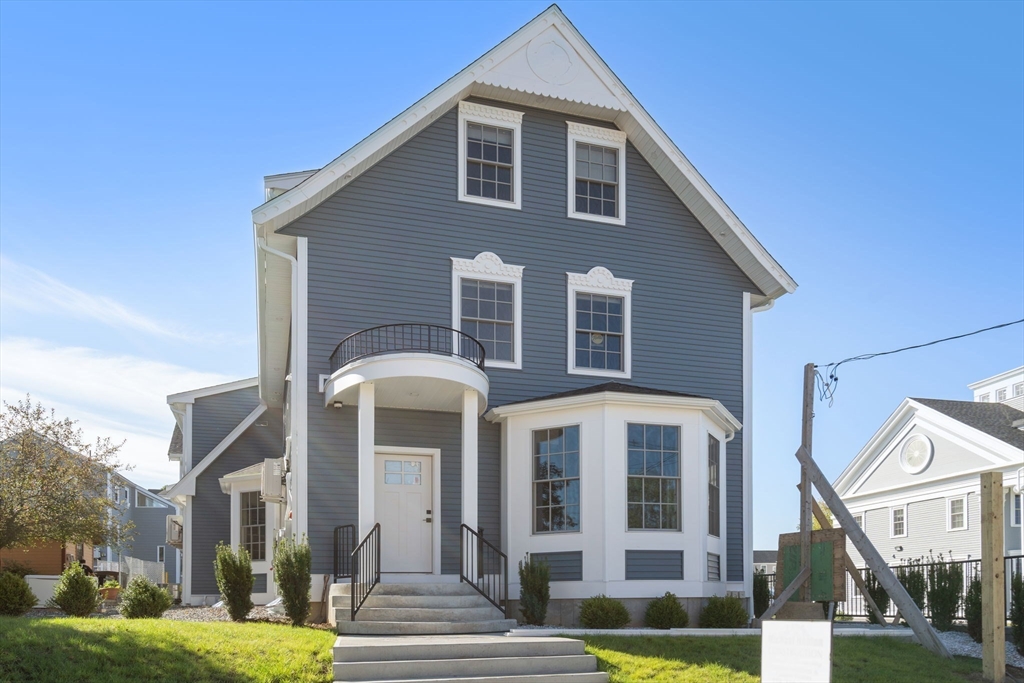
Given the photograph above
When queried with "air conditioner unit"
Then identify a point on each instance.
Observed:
(175, 530)
(272, 481)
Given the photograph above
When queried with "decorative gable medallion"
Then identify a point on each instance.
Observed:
(916, 454)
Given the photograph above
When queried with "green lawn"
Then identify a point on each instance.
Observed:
(115, 651)
(660, 659)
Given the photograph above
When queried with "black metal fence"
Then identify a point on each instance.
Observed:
(856, 606)
(407, 338)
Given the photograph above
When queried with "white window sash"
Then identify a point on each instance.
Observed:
(470, 112)
(489, 267)
(963, 513)
(604, 137)
(892, 522)
(600, 281)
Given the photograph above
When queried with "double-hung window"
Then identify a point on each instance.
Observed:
(984, 398)
(253, 519)
(556, 479)
(597, 173)
(652, 483)
(487, 305)
(956, 514)
(489, 155)
(1000, 394)
(599, 324)
(898, 522)
(714, 490)
(1018, 389)
(1016, 503)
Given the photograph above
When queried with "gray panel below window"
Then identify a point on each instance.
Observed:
(564, 566)
(260, 586)
(654, 564)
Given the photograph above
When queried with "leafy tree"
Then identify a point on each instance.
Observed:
(53, 485)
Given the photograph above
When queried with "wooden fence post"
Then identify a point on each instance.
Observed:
(993, 588)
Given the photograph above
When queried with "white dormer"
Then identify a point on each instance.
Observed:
(1006, 387)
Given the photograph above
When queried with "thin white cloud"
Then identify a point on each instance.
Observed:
(32, 290)
(123, 397)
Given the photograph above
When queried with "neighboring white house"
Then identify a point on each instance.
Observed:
(765, 560)
(914, 488)
(1006, 387)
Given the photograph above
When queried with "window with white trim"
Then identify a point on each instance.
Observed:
(1018, 389)
(1017, 512)
(653, 493)
(597, 173)
(490, 155)
(984, 398)
(160, 553)
(253, 524)
(956, 514)
(858, 518)
(487, 305)
(1000, 394)
(714, 488)
(556, 479)
(143, 501)
(599, 324)
(898, 522)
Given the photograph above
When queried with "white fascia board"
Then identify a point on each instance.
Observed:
(617, 105)
(246, 475)
(191, 396)
(187, 485)
(895, 422)
(985, 445)
(712, 408)
(273, 313)
(996, 378)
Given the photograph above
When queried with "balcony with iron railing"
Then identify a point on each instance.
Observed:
(411, 365)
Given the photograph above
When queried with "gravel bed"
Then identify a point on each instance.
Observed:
(962, 644)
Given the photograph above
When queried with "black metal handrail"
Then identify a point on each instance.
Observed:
(484, 567)
(407, 338)
(365, 568)
(344, 540)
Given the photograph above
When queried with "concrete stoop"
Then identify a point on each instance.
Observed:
(463, 659)
(417, 609)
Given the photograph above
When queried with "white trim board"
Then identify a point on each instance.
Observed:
(187, 485)
(191, 396)
(489, 267)
(587, 87)
(600, 281)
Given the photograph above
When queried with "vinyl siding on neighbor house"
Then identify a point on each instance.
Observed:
(380, 252)
(211, 512)
(151, 531)
(213, 418)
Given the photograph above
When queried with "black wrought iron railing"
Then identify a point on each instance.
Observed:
(484, 567)
(344, 544)
(365, 568)
(407, 338)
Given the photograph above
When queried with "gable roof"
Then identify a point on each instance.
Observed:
(575, 81)
(765, 556)
(994, 419)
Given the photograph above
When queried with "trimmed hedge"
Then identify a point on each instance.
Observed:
(75, 593)
(143, 599)
(534, 590)
(234, 580)
(292, 570)
(666, 612)
(727, 612)
(972, 609)
(601, 611)
(16, 598)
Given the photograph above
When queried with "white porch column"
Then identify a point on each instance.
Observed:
(366, 458)
(470, 467)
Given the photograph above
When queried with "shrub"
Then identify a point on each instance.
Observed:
(972, 609)
(234, 580)
(945, 581)
(19, 568)
(292, 566)
(111, 582)
(75, 593)
(1017, 610)
(762, 593)
(16, 597)
(143, 599)
(727, 612)
(534, 591)
(601, 611)
(913, 578)
(877, 594)
(666, 612)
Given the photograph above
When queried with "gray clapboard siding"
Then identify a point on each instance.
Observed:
(380, 252)
(654, 564)
(567, 566)
(211, 512)
(213, 418)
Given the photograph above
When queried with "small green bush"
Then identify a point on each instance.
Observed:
(19, 568)
(292, 571)
(534, 590)
(972, 609)
(727, 612)
(601, 611)
(913, 578)
(762, 593)
(234, 580)
(75, 593)
(945, 582)
(877, 594)
(143, 599)
(16, 597)
(666, 612)
(1017, 610)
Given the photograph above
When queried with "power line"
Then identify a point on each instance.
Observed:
(828, 383)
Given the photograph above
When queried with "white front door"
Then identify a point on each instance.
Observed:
(404, 507)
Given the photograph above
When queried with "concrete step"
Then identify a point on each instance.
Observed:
(464, 668)
(593, 677)
(388, 628)
(420, 601)
(450, 588)
(386, 648)
(455, 614)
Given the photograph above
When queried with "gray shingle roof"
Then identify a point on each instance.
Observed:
(765, 556)
(176, 442)
(618, 387)
(994, 419)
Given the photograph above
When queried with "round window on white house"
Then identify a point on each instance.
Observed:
(916, 454)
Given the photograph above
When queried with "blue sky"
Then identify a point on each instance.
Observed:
(876, 149)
